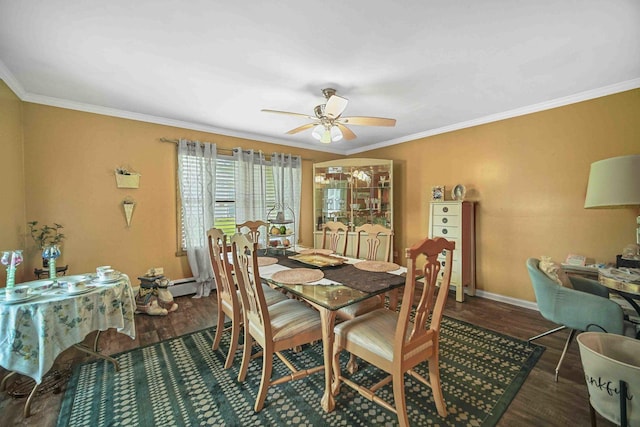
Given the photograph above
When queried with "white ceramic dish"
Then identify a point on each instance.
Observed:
(76, 286)
(41, 285)
(111, 280)
(29, 297)
(88, 288)
(72, 279)
(16, 293)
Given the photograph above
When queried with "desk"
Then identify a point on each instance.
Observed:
(35, 332)
(327, 296)
(627, 290)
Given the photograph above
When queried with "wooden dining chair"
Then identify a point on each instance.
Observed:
(376, 238)
(276, 327)
(254, 229)
(332, 233)
(370, 238)
(229, 304)
(392, 342)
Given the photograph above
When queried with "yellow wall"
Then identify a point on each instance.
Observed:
(529, 176)
(71, 157)
(12, 208)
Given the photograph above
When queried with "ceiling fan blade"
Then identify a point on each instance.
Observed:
(368, 121)
(289, 113)
(335, 106)
(301, 128)
(346, 132)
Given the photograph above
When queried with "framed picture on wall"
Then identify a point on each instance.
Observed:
(437, 193)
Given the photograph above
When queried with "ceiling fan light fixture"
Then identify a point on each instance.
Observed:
(318, 132)
(329, 125)
(336, 133)
(326, 137)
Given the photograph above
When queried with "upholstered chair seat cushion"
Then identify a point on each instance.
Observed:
(362, 307)
(292, 317)
(375, 331)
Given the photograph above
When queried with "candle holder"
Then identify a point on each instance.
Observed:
(51, 253)
(11, 259)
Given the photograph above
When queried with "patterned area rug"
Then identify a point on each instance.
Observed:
(182, 382)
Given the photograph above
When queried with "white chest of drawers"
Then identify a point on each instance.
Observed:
(455, 221)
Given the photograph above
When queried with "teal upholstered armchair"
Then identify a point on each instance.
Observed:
(586, 307)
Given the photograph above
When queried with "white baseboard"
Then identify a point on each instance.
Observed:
(508, 300)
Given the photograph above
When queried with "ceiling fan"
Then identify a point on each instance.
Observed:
(328, 124)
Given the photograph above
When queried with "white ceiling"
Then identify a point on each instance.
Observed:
(435, 66)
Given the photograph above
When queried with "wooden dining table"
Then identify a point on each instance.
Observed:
(342, 285)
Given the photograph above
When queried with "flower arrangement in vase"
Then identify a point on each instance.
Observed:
(46, 236)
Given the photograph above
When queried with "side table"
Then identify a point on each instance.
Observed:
(43, 273)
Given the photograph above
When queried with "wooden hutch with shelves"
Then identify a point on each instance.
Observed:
(352, 191)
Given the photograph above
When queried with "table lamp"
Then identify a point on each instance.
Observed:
(615, 183)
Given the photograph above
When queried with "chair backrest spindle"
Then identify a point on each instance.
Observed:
(332, 232)
(375, 233)
(254, 229)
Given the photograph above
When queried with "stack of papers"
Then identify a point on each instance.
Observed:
(629, 275)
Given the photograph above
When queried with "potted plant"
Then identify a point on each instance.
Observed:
(46, 236)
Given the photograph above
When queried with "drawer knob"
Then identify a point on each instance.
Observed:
(443, 263)
(445, 220)
(444, 252)
(444, 231)
(445, 209)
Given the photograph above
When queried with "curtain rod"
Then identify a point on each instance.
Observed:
(223, 150)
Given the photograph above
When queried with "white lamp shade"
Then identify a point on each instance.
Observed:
(336, 133)
(614, 182)
(317, 132)
(326, 137)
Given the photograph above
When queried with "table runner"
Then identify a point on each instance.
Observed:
(348, 275)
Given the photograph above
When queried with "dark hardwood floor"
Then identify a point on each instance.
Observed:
(540, 401)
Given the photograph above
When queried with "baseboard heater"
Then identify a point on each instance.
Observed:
(180, 287)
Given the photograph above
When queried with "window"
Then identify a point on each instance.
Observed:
(225, 196)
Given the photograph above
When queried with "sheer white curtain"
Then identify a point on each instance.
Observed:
(250, 182)
(287, 179)
(197, 178)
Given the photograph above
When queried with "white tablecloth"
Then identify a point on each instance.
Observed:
(34, 333)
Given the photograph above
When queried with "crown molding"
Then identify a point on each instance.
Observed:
(547, 105)
(123, 114)
(17, 88)
(11, 81)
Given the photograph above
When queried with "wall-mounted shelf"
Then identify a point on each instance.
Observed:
(128, 181)
(126, 178)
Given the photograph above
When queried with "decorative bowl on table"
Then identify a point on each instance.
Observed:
(318, 260)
